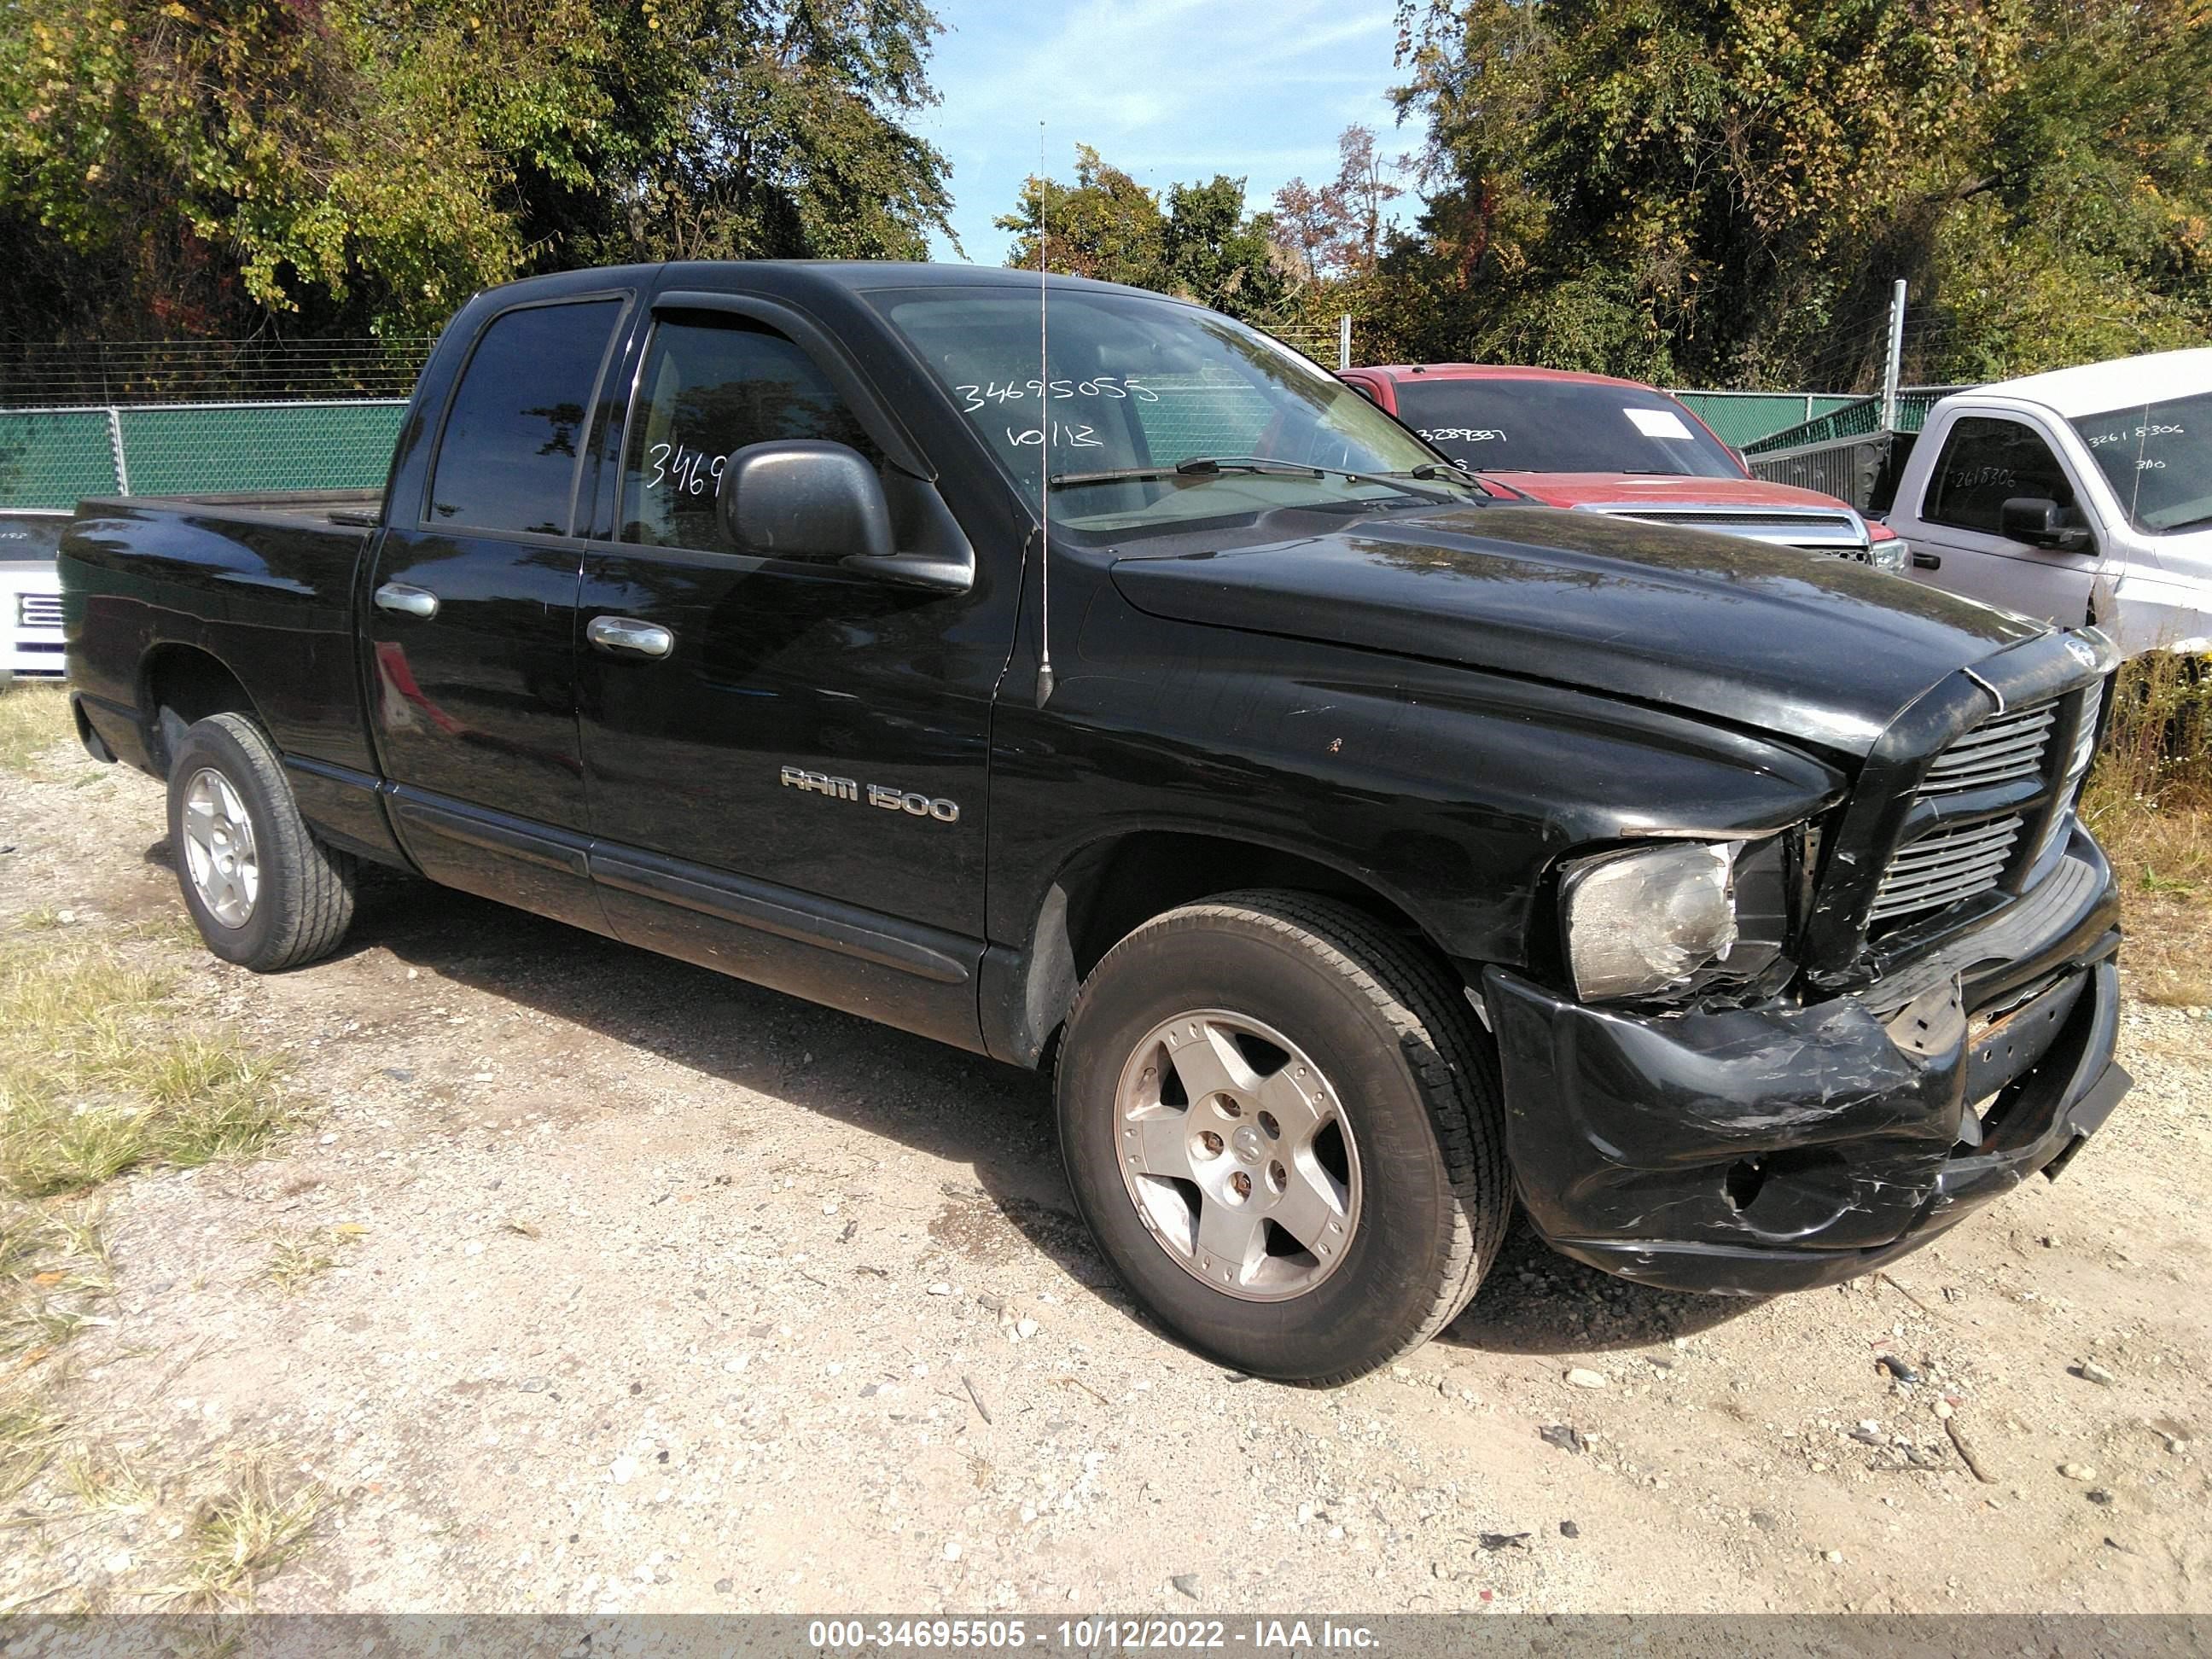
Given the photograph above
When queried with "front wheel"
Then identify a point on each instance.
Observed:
(265, 893)
(1285, 1132)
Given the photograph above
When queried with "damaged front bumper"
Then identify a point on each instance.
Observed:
(1784, 1147)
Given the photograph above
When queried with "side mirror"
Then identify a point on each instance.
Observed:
(805, 498)
(2039, 522)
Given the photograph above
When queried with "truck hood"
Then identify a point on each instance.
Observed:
(1643, 489)
(1823, 651)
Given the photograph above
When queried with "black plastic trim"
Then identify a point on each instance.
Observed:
(843, 928)
(496, 832)
(846, 929)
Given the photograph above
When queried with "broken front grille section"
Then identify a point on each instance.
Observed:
(1945, 866)
(1955, 861)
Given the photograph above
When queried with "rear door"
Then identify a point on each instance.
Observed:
(792, 789)
(1986, 460)
(471, 622)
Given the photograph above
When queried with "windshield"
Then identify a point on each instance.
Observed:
(1561, 426)
(1139, 387)
(2158, 459)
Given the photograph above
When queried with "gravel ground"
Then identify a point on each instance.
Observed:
(651, 1291)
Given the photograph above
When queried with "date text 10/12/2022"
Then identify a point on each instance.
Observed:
(1096, 1633)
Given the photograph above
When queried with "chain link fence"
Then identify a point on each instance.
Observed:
(53, 458)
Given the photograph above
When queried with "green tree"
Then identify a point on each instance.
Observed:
(1203, 247)
(1105, 225)
(217, 166)
(1721, 191)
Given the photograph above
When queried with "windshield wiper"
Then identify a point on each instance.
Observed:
(1453, 473)
(1116, 475)
(1207, 467)
(1199, 466)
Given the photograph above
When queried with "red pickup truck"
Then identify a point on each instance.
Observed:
(1602, 445)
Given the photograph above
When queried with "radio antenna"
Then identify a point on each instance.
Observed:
(1044, 456)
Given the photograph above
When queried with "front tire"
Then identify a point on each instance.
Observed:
(264, 892)
(1285, 1132)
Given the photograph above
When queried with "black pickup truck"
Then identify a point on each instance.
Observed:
(1077, 676)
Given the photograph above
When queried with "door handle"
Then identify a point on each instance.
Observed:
(1926, 561)
(622, 636)
(407, 601)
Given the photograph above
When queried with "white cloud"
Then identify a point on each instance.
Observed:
(1171, 90)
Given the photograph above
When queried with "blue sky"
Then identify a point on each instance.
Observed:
(1169, 90)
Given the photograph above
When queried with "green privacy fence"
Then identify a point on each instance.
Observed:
(53, 458)
(1742, 418)
(1854, 417)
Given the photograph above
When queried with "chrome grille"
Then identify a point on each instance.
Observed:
(1945, 866)
(38, 611)
(2001, 749)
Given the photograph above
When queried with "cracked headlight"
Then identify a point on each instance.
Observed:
(1637, 922)
(1890, 553)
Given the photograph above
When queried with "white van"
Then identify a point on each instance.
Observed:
(2081, 495)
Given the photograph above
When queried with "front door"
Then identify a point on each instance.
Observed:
(471, 622)
(789, 783)
(1986, 460)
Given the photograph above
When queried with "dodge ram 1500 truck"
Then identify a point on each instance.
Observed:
(1073, 674)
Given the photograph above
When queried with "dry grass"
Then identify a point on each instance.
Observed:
(30, 1433)
(109, 1480)
(2149, 803)
(300, 1257)
(33, 718)
(54, 1273)
(95, 1079)
(245, 1534)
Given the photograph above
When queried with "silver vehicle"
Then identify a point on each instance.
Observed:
(2081, 495)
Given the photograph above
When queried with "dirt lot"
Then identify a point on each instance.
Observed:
(584, 1281)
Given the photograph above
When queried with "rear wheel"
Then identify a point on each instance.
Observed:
(1285, 1132)
(264, 892)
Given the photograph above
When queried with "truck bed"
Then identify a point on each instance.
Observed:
(182, 595)
(360, 509)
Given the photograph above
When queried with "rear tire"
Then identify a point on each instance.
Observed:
(264, 892)
(1284, 1130)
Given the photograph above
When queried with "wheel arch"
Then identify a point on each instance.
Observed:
(180, 684)
(1111, 886)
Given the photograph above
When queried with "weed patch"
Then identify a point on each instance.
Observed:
(2149, 804)
(32, 719)
(95, 1079)
(244, 1534)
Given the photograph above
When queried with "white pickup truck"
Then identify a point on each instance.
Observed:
(30, 594)
(2084, 494)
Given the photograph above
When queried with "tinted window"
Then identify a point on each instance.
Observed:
(2158, 458)
(1562, 426)
(1986, 463)
(1140, 388)
(509, 457)
(707, 389)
